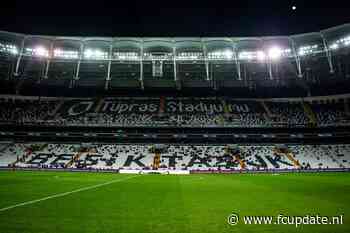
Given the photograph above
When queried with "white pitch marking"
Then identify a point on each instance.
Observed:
(65, 193)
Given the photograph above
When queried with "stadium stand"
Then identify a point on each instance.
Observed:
(176, 157)
(290, 114)
(290, 89)
(204, 112)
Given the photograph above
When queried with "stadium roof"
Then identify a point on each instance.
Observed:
(330, 34)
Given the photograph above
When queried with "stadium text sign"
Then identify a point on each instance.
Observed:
(126, 106)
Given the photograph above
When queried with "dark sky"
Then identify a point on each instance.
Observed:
(171, 18)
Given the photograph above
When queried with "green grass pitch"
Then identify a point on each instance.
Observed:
(167, 203)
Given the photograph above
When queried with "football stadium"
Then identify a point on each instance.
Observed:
(175, 134)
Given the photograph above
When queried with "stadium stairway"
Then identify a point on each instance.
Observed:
(309, 113)
(75, 158)
(221, 119)
(290, 157)
(99, 104)
(266, 108)
(226, 110)
(57, 108)
(241, 162)
(293, 160)
(156, 161)
(236, 157)
(161, 105)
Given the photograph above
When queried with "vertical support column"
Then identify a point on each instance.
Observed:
(141, 67)
(81, 55)
(328, 53)
(110, 56)
(246, 83)
(238, 65)
(296, 57)
(51, 54)
(177, 82)
(174, 60)
(235, 56)
(19, 58)
(206, 60)
(270, 69)
(267, 59)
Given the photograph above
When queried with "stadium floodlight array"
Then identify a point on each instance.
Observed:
(220, 55)
(334, 46)
(157, 56)
(8, 48)
(95, 54)
(190, 56)
(275, 53)
(307, 50)
(252, 55)
(342, 42)
(38, 51)
(128, 56)
(65, 54)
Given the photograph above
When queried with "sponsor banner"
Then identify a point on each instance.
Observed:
(138, 106)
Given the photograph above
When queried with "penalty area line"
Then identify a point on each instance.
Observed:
(65, 193)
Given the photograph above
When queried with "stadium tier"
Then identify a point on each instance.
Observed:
(175, 157)
(176, 112)
(44, 64)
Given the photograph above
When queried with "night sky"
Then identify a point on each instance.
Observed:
(171, 18)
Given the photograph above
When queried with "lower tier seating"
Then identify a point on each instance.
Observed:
(180, 157)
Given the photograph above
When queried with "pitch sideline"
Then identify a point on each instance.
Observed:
(65, 193)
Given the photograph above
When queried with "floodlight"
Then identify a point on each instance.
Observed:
(334, 46)
(94, 54)
(57, 52)
(228, 54)
(275, 53)
(14, 51)
(98, 53)
(88, 53)
(41, 51)
(245, 55)
(260, 55)
(302, 53)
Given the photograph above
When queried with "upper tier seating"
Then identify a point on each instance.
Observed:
(181, 112)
